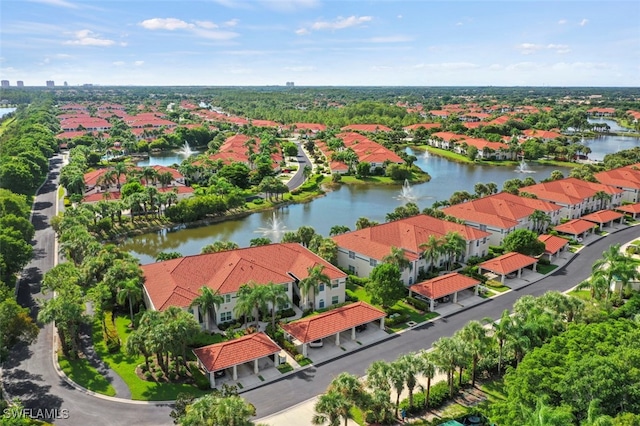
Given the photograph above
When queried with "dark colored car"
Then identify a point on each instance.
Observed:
(361, 327)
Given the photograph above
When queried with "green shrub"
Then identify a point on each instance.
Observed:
(201, 381)
(160, 375)
(420, 305)
(299, 357)
(258, 201)
(544, 261)
(148, 375)
(110, 333)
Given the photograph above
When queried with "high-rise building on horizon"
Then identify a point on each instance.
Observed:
(20, 83)
(51, 83)
(5, 83)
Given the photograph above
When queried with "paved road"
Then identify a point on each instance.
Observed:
(29, 373)
(294, 389)
(298, 179)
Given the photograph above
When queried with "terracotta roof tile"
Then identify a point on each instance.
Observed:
(568, 190)
(552, 243)
(622, 177)
(575, 226)
(237, 351)
(226, 271)
(334, 321)
(444, 285)
(602, 216)
(508, 263)
(629, 208)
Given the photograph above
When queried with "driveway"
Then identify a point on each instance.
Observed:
(298, 179)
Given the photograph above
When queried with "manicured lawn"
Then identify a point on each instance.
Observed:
(125, 365)
(581, 294)
(357, 416)
(447, 154)
(496, 286)
(545, 269)
(82, 373)
(401, 307)
(494, 390)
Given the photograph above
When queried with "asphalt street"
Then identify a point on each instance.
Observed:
(29, 374)
(298, 179)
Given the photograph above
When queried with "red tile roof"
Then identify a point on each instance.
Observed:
(542, 134)
(568, 190)
(332, 322)
(508, 263)
(115, 195)
(367, 128)
(629, 208)
(237, 351)
(226, 271)
(575, 227)
(314, 127)
(376, 241)
(449, 136)
(423, 125)
(622, 177)
(552, 243)
(602, 216)
(444, 285)
(368, 150)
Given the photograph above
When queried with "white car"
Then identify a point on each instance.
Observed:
(316, 343)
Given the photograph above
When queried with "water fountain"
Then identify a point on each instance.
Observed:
(426, 155)
(524, 168)
(406, 193)
(186, 150)
(274, 230)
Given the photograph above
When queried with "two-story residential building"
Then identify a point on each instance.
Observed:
(502, 213)
(177, 282)
(361, 251)
(625, 178)
(575, 196)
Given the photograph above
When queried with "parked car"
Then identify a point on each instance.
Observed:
(444, 299)
(316, 343)
(361, 327)
(219, 374)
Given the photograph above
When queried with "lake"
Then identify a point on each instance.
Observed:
(5, 111)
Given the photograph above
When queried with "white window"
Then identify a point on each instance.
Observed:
(352, 255)
(352, 269)
(335, 285)
(334, 300)
(321, 304)
(373, 263)
(320, 288)
(225, 316)
(227, 298)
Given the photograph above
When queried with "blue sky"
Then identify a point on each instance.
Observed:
(321, 42)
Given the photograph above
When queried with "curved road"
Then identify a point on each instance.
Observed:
(298, 179)
(29, 373)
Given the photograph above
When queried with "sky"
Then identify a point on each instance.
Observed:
(321, 42)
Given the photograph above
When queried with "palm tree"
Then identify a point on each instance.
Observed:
(411, 365)
(501, 332)
(309, 285)
(350, 387)
(432, 250)
(329, 408)
(131, 291)
(397, 257)
(455, 246)
(475, 335)
(251, 300)
(207, 301)
(397, 378)
(219, 246)
(378, 376)
(218, 410)
(428, 370)
(277, 296)
(120, 169)
(540, 220)
(444, 357)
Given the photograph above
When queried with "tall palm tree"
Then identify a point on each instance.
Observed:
(475, 335)
(378, 376)
(397, 378)
(432, 250)
(207, 302)
(540, 220)
(329, 408)
(444, 357)
(120, 169)
(428, 370)
(350, 387)
(411, 365)
(454, 246)
(130, 290)
(501, 331)
(309, 285)
(277, 296)
(397, 257)
(251, 301)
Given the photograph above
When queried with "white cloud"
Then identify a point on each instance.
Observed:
(562, 22)
(341, 23)
(559, 48)
(290, 5)
(231, 23)
(459, 24)
(88, 38)
(206, 24)
(399, 16)
(57, 3)
(169, 24)
(390, 39)
(302, 31)
(118, 63)
(528, 48)
(301, 68)
(138, 63)
(584, 22)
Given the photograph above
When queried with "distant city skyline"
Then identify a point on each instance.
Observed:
(321, 43)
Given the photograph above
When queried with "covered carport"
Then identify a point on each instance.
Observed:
(577, 228)
(332, 323)
(445, 285)
(231, 354)
(604, 218)
(553, 245)
(631, 209)
(507, 264)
